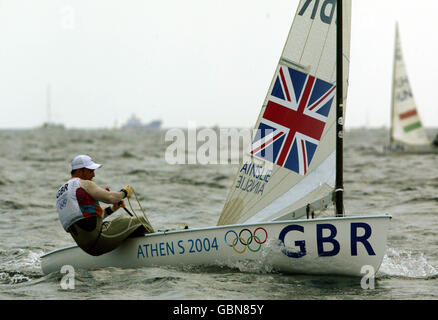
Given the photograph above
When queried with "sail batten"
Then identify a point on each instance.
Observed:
(294, 145)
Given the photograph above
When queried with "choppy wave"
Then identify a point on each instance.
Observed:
(9, 204)
(19, 266)
(407, 264)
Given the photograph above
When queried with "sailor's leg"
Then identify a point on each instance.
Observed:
(86, 236)
(115, 229)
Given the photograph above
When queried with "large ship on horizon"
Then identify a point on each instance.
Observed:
(135, 122)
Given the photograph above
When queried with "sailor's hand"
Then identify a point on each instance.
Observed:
(127, 190)
(117, 206)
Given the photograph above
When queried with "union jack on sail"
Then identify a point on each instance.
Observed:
(294, 120)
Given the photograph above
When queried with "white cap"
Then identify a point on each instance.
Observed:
(83, 161)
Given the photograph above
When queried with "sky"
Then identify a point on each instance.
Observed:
(208, 62)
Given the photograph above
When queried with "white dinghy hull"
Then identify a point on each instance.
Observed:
(324, 246)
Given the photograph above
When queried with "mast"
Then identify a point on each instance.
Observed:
(391, 131)
(339, 188)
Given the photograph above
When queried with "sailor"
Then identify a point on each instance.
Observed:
(95, 230)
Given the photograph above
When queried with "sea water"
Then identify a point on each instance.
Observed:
(34, 163)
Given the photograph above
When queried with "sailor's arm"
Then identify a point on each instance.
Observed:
(100, 194)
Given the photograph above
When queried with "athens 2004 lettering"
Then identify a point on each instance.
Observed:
(180, 247)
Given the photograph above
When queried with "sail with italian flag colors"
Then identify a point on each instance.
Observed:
(406, 125)
(291, 162)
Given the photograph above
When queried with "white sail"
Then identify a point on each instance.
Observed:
(406, 125)
(291, 161)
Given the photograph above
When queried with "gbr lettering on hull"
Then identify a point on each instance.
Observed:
(321, 239)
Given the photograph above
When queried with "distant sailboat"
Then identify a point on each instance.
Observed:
(49, 124)
(407, 133)
(294, 167)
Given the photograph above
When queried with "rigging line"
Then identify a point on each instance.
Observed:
(144, 214)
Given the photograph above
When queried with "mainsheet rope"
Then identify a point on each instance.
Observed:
(141, 208)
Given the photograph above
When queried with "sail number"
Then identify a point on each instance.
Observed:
(326, 11)
(403, 89)
(404, 95)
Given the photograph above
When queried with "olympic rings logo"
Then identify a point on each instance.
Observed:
(246, 239)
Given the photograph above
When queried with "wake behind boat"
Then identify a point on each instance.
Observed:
(298, 146)
(407, 133)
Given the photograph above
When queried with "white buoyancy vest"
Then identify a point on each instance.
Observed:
(67, 204)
